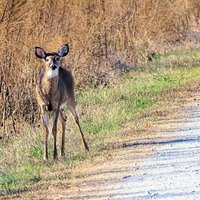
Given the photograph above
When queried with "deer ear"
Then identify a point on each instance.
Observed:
(40, 52)
(64, 50)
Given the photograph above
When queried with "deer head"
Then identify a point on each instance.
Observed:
(52, 60)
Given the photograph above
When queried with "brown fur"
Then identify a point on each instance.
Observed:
(47, 90)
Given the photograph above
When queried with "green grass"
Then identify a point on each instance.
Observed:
(18, 177)
(114, 106)
(104, 114)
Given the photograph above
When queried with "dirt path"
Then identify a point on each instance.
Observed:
(164, 165)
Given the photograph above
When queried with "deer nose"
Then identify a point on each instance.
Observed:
(52, 66)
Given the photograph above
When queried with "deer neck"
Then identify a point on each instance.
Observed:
(50, 82)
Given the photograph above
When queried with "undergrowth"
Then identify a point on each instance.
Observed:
(103, 113)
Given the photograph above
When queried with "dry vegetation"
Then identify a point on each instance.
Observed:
(105, 38)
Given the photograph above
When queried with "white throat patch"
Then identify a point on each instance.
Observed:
(52, 73)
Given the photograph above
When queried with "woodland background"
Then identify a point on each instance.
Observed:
(106, 39)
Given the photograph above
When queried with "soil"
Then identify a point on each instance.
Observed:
(165, 164)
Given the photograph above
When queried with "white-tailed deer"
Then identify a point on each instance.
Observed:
(54, 89)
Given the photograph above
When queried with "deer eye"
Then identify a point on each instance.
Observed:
(47, 59)
(57, 58)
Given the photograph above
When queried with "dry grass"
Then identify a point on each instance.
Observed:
(103, 43)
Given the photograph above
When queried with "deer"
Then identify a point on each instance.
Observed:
(55, 90)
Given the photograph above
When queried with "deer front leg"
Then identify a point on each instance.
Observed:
(45, 120)
(54, 131)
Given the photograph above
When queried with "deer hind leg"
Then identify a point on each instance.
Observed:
(73, 111)
(63, 119)
(54, 131)
(45, 120)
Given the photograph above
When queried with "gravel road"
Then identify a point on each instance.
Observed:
(163, 165)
